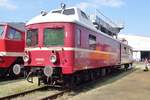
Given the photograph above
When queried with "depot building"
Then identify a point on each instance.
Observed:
(140, 45)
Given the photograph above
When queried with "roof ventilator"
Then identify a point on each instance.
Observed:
(43, 13)
(63, 7)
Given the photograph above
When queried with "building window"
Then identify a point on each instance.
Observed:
(92, 42)
(13, 34)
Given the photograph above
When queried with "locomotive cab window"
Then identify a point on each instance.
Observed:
(14, 34)
(84, 15)
(53, 37)
(66, 11)
(32, 37)
(92, 42)
(1, 30)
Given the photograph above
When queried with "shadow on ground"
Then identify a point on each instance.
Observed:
(109, 79)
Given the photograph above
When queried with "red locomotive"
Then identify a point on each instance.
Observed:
(12, 40)
(65, 46)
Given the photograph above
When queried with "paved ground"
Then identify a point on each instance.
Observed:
(132, 86)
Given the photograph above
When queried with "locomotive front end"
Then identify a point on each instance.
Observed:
(46, 51)
(12, 39)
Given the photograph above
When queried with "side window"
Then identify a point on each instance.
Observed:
(84, 15)
(92, 42)
(1, 30)
(32, 37)
(13, 34)
(125, 49)
(17, 35)
(78, 37)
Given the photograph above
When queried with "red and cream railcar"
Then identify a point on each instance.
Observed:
(65, 42)
(12, 40)
(126, 55)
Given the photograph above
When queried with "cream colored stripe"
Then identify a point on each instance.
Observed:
(68, 49)
(12, 54)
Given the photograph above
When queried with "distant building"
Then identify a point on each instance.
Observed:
(140, 45)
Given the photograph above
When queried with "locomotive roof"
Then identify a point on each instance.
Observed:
(17, 25)
(74, 15)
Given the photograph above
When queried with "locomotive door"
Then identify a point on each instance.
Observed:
(14, 41)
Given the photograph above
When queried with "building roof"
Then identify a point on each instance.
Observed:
(138, 43)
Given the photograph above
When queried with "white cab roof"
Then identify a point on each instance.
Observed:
(79, 17)
(58, 17)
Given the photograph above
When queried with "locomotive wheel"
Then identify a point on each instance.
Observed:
(15, 71)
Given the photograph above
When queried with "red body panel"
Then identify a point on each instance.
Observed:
(73, 58)
(14, 46)
(10, 48)
(7, 62)
(41, 58)
(2, 45)
(65, 58)
(107, 51)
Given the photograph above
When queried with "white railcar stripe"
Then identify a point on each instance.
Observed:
(13, 54)
(68, 49)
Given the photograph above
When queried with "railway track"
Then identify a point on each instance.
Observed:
(88, 85)
(54, 93)
(81, 88)
(2, 79)
(7, 81)
(54, 96)
(22, 93)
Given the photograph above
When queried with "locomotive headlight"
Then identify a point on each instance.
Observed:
(26, 58)
(53, 58)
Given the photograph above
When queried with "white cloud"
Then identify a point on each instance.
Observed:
(98, 3)
(83, 5)
(7, 4)
(111, 3)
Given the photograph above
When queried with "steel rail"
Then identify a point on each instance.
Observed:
(22, 93)
(85, 85)
(54, 96)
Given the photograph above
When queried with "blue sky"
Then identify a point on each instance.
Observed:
(133, 13)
